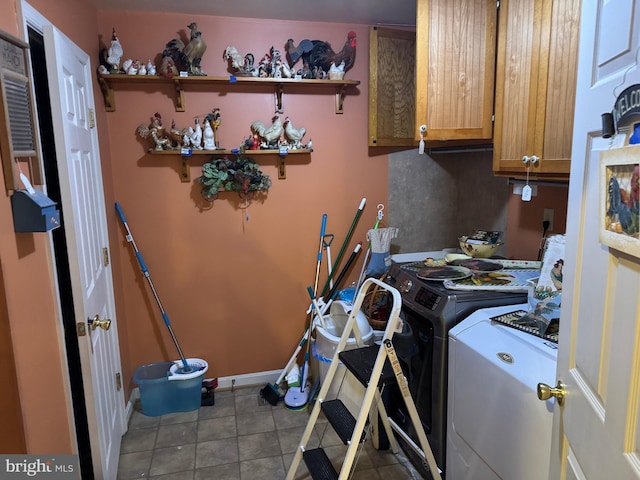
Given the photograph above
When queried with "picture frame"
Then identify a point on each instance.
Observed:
(619, 199)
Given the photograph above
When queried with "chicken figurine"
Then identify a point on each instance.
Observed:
(111, 56)
(336, 72)
(187, 57)
(293, 135)
(317, 53)
(268, 135)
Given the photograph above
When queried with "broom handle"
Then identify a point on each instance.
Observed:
(344, 245)
(322, 232)
(344, 271)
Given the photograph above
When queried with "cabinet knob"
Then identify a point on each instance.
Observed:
(525, 159)
(534, 159)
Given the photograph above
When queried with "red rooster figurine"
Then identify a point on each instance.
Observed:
(319, 54)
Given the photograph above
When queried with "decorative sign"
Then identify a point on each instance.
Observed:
(12, 57)
(18, 135)
(627, 105)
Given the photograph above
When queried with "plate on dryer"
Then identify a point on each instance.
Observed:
(442, 273)
(478, 264)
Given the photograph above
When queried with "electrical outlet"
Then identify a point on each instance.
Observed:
(547, 216)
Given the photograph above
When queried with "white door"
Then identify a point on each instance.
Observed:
(82, 193)
(597, 432)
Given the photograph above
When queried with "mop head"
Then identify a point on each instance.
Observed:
(297, 397)
(197, 367)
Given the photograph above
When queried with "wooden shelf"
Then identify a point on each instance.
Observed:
(185, 173)
(110, 82)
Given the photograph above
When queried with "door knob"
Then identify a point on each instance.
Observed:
(545, 392)
(95, 322)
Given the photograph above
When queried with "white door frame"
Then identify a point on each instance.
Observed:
(102, 441)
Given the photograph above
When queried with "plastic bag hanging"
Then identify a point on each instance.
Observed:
(380, 241)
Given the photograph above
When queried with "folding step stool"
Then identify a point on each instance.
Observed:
(370, 366)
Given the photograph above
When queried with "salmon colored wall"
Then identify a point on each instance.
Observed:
(234, 289)
(36, 330)
(524, 228)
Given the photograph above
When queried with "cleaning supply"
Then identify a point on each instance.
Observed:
(296, 398)
(185, 366)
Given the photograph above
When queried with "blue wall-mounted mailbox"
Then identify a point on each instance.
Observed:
(34, 212)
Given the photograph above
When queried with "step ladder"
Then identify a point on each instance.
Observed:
(375, 367)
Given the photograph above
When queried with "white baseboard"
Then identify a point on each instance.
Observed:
(248, 379)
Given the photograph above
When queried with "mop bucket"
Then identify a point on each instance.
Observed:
(166, 388)
(327, 340)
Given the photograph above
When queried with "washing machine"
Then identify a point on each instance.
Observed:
(497, 428)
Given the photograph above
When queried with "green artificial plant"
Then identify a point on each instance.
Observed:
(241, 175)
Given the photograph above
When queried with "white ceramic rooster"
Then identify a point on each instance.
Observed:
(114, 53)
(292, 134)
(270, 135)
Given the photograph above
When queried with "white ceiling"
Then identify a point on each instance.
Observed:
(367, 12)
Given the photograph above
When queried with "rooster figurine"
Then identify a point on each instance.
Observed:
(317, 53)
(293, 135)
(187, 57)
(269, 135)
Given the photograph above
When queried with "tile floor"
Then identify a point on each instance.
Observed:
(238, 439)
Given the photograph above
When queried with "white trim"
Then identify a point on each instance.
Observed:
(35, 20)
(248, 379)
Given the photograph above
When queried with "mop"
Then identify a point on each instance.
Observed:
(185, 366)
(297, 397)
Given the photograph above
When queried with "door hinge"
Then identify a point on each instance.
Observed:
(92, 118)
(105, 256)
(81, 329)
(118, 381)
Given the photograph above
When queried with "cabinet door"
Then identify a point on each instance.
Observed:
(455, 59)
(535, 78)
(392, 59)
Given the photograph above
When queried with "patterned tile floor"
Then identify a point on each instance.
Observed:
(238, 438)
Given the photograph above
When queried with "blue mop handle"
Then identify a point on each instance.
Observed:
(323, 229)
(143, 266)
(121, 213)
(145, 272)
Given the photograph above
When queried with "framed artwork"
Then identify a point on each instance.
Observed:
(619, 199)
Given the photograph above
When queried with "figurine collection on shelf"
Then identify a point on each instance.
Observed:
(319, 60)
(278, 135)
(196, 137)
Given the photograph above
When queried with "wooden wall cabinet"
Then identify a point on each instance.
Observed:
(455, 69)
(535, 87)
(392, 87)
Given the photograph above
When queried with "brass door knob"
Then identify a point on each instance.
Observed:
(545, 392)
(95, 322)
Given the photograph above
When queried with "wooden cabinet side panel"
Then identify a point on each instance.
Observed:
(391, 87)
(455, 68)
(563, 59)
(514, 86)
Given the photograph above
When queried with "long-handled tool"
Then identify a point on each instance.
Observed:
(271, 391)
(145, 272)
(328, 240)
(344, 245)
(334, 291)
(322, 230)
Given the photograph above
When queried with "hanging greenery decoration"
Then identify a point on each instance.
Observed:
(241, 175)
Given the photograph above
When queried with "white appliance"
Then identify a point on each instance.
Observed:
(497, 429)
